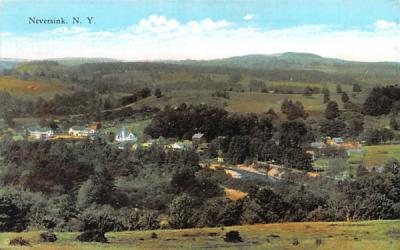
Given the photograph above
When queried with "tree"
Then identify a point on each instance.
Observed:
(96, 221)
(394, 124)
(256, 85)
(182, 212)
(355, 126)
(332, 110)
(293, 110)
(333, 127)
(308, 91)
(96, 190)
(157, 93)
(238, 149)
(338, 89)
(356, 87)
(263, 206)
(326, 94)
(235, 78)
(14, 211)
(345, 97)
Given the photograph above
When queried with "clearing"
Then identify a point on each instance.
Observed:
(368, 235)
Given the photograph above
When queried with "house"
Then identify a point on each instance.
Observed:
(178, 146)
(79, 131)
(336, 141)
(198, 138)
(148, 143)
(40, 133)
(124, 135)
(318, 145)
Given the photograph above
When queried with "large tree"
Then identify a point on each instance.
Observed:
(332, 110)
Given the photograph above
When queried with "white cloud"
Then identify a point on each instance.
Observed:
(248, 17)
(385, 25)
(158, 37)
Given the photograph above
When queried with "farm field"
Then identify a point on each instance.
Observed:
(32, 89)
(261, 102)
(377, 155)
(369, 156)
(369, 235)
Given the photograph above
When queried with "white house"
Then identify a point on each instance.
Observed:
(178, 146)
(124, 135)
(79, 131)
(41, 133)
(337, 141)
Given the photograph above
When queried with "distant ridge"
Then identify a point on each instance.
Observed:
(281, 61)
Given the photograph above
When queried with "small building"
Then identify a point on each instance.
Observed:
(318, 145)
(40, 133)
(79, 131)
(124, 135)
(336, 141)
(178, 146)
(198, 138)
(148, 143)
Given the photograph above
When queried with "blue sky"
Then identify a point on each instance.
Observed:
(222, 28)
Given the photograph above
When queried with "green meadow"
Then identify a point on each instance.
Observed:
(370, 235)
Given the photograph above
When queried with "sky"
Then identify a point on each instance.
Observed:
(359, 30)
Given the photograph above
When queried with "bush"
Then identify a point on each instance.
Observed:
(233, 236)
(19, 242)
(48, 237)
(14, 210)
(92, 236)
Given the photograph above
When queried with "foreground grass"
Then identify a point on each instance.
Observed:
(373, 235)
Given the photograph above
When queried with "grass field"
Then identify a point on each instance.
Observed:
(261, 102)
(369, 156)
(371, 235)
(29, 89)
(377, 155)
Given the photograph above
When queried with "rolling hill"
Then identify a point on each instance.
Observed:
(302, 61)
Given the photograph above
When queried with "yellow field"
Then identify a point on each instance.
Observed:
(371, 235)
(261, 102)
(28, 89)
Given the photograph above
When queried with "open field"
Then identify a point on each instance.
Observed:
(29, 89)
(377, 155)
(261, 102)
(369, 156)
(371, 235)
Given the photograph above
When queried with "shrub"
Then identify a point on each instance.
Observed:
(48, 237)
(19, 242)
(233, 236)
(92, 236)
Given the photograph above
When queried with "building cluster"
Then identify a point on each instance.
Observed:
(74, 133)
(336, 142)
(123, 138)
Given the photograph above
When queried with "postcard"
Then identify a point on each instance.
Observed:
(197, 124)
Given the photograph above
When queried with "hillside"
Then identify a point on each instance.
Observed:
(303, 61)
(376, 235)
(8, 63)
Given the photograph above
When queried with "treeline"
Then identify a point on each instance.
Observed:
(108, 76)
(92, 186)
(382, 100)
(239, 137)
(85, 102)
